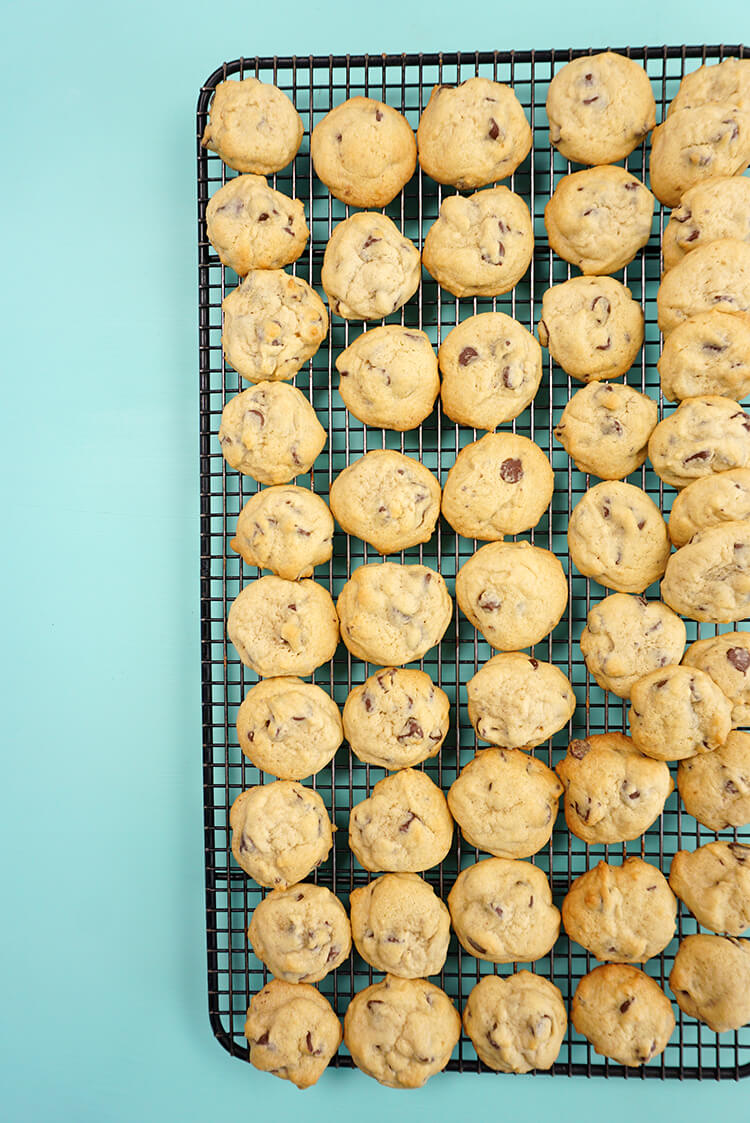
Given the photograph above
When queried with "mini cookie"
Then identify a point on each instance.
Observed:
(710, 501)
(626, 637)
(501, 484)
(498, 590)
(707, 354)
(393, 614)
(598, 219)
(621, 914)
(516, 1023)
(726, 659)
(481, 245)
(280, 832)
(387, 499)
(617, 536)
(605, 429)
(388, 377)
(491, 367)
(600, 107)
(253, 126)
(401, 1031)
(301, 933)
(472, 134)
(288, 530)
(252, 226)
(270, 432)
(369, 268)
(364, 152)
(612, 792)
(292, 1032)
(727, 81)
(715, 278)
(711, 980)
(623, 1013)
(273, 323)
(677, 712)
(697, 144)
(283, 627)
(502, 911)
(289, 728)
(716, 208)
(715, 787)
(709, 578)
(397, 718)
(714, 883)
(516, 700)
(592, 327)
(403, 827)
(703, 436)
(505, 802)
(400, 926)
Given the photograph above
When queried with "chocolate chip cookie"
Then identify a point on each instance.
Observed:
(715, 787)
(709, 578)
(715, 277)
(388, 377)
(711, 980)
(404, 826)
(696, 144)
(678, 712)
(286, 529)
(253, 126)
(270, 432)
(400, 926)
(727, 81)
(397, 718)
(516, 1023)
(292, 1031)
(626, 637)
(516, 700)
(605, 429)
(280, 832)
(288, 727)
(252, 226)
(592, 327)
(726, 659)
(623, 1013)
(369, 268)
(710, 501)
(704, 435)
(714, 883)
(707, 354)
(283, 627)
(715, 208)
(301, 933)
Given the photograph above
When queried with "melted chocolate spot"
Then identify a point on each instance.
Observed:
(494, 129)
(411, 729)
(578, 749)
(511, 470)
(739, 657)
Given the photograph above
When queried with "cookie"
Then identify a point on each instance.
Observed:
(401, 1031)
(289, 728)
(393, 614)
(592, 327)
(727, 81)
(283, 627)
(498, 590)
(397, 718)
(724, 497)
(599, 218)
(491, 367)
(709, 578)
(696, 144)
(280, 832)
(516, 1023)
(711, 980)
(364, 152)
(716, 208)
(253, 126)
(621, 914)
(472, 134)
(726, 659)
(612, 793)
(369, 268)
(501, 484)
(505, 802)
(626, 637)
(617, 536)
(502, 911)
(678, 712)
(715, 278)
(600, 107)
(714, 883)
(270, 432)
(252, 226)
(481, 245)
(288, 530)
(292, 1031)
(605, 429)
(623, 1013)
(715, 787)
(273, 323)
(388, 377)
(703, 436)
(707, 354)
(301, 933)
(387, 499)
(404, 826)
(516, 700)
(400, 926)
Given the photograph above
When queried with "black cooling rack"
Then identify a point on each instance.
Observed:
(315, 85)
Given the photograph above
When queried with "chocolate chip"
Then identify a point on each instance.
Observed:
(739, 657)
(578, 749)
(374, 1002)
(716, 347)
(367, 702)
(606, 510)
(259, 415)
(626, 1005)
(641, 524)
(704, 455)
(488, 601)
(605, 346)
(250, 735)
(735, 129)
(499, 910)
(631, 186)
(292, 607)
(634, 795)
(506, 377)
(494, 129)
(476, 946)
(411, 729)
(511, 470)
(263, 1039)
(731, 787)
(407, 823)
(334, 951)
(263, 217)
(531, 902)
(534, 662)
(590, 100)
(660, 683)
(741, 853)
(378, 115)
(369, 241)
(601, 308)
(299, 896)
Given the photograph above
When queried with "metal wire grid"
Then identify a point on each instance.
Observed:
(315, 85)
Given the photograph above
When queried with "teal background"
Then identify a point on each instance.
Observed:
(101, 941)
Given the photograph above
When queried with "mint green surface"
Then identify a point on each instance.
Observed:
(101, 941)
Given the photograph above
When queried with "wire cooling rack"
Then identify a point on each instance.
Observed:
(315, 85)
